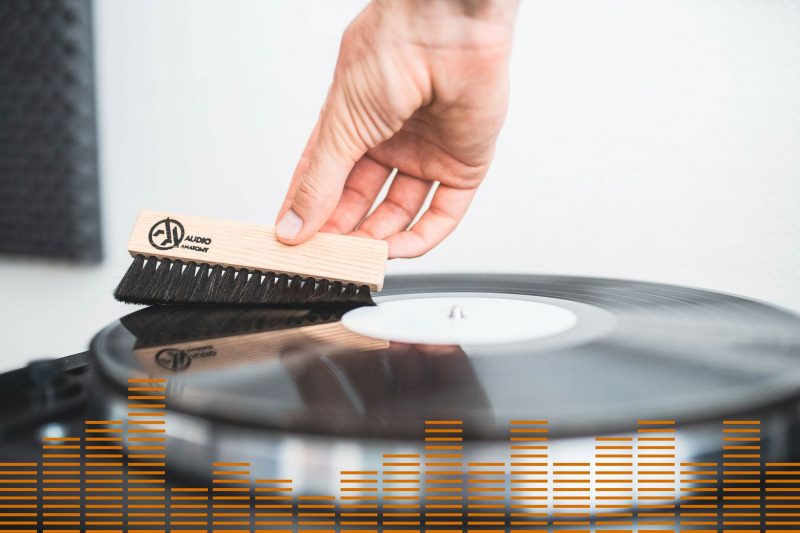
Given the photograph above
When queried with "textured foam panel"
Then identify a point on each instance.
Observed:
(49, 200)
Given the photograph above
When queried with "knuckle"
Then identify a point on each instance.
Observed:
(438, 212)
(349, 36)
(309, 194)
(367, 231)
(356, 195)
(459, 176)
(343, 138)
(398, 209)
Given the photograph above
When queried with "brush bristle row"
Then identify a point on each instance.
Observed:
(150, 280)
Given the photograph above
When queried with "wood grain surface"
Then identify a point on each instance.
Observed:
(191, 238)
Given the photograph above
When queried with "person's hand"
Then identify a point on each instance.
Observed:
(420, 86)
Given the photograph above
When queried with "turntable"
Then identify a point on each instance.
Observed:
(565, 398)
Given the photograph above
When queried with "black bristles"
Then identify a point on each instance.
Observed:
(279, 290)
(160, 281)
(299, 290)
(200, 284)
(153, 281)
(127, 287)
(319, 291)
(239, 284)
(267, 284)
(186, 283)
(350, 291)
(147, 280)
(364, 296)
(250, 291)
(214, 279)
(172, 280)
(223, 292)
(336, 287)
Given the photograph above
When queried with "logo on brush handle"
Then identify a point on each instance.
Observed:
(168, 233)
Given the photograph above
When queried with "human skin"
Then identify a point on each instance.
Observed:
(420, 86)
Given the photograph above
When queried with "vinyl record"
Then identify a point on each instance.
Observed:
(591, 356)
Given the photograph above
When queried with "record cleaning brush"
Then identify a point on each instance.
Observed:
(181, 259)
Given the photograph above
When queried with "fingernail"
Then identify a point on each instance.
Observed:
(289, 226)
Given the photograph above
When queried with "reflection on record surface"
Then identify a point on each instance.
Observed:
(302, 365)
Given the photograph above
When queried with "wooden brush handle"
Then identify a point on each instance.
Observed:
(219, 242)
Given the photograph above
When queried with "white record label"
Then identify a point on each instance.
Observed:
(462, 320)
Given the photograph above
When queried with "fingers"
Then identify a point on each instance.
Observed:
(320, 175)
(403, 201)
(359, 193)
(445, 212)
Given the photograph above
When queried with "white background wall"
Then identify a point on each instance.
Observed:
(650, 140)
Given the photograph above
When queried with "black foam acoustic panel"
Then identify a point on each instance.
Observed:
(49, 197)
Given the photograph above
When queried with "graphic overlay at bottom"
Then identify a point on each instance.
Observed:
(114, 478)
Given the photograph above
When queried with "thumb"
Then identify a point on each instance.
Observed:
(318, 180)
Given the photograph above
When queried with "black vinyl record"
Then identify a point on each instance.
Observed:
(625, 351)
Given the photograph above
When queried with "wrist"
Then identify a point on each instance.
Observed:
(449, 22)
(498, 10)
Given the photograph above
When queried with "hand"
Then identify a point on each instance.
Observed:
(420, 86)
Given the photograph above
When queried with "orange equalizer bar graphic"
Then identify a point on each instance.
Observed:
(113, 479)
